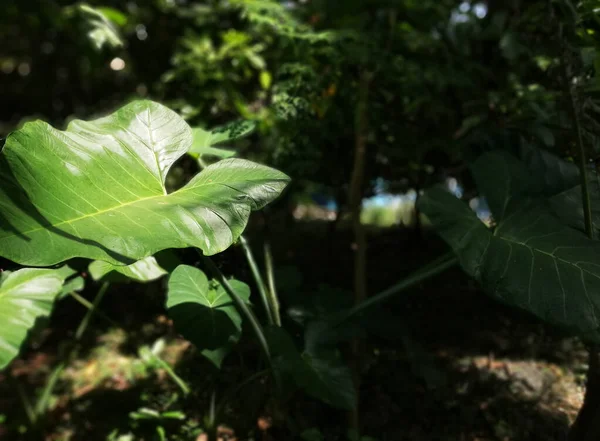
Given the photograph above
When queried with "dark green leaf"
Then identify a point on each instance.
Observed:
(322, 375)
(203, 312)
(531, 260)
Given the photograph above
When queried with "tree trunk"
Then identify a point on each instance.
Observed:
(360, 241)
(587, 424)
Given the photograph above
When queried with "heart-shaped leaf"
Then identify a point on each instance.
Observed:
(97, 190)
(531, 260)
(25, 296)
(203, 312)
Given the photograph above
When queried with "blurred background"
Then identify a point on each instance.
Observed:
(420, 88)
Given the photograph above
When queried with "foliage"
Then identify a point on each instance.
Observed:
(500, 97)
(203, 311)
(78, 204)
(26, 296)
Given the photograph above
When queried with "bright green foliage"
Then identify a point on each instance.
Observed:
(203, 312)
(323, 376)
(144, 270)
(75, 284)
(97, 190)
(531, 260)
(204, 141)
(102, 30)
(25, 296)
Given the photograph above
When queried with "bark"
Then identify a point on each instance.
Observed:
(360, 241)
(587, 424)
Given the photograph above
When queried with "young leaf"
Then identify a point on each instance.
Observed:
(531, 260)
(25, 296)
(75, 284)
(97, 190)
(203, 312)
(102, 31)
(204, 141)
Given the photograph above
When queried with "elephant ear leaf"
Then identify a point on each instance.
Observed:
(26, 295)
(531, 260)
(204, 313)
(97, 191)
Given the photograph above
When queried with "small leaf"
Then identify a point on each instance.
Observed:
(102, 31)
(26, 295)
(76, 284)
(204, 141)
(203, 312)
(265, 79)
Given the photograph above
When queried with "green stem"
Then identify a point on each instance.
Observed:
(89, 305)
(88, 316)
(176, 378)
(242, 308)
(273, 299)
(29, 410)
(260, 284)
(438, 266)
(583, 165)
(42, 402)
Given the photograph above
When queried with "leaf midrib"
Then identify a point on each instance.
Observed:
(182, 190)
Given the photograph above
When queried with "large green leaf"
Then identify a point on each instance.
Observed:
(203, 312)
(568, 204)
(549, 174)
(97, 191)
(531, 260)
(25, 296)
(559, 181)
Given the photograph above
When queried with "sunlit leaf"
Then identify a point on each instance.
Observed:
(26, 295)
(97, 190)
(102, 31)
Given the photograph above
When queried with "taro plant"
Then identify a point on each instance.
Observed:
(540, 254)
(97, 191)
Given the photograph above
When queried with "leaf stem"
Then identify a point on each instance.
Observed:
(260, 284)
(89, 305)
(273, 299)
(176, 378)
(585, 190)
(241, 306)
(432, 269)
(29, 410)
(88, 316)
